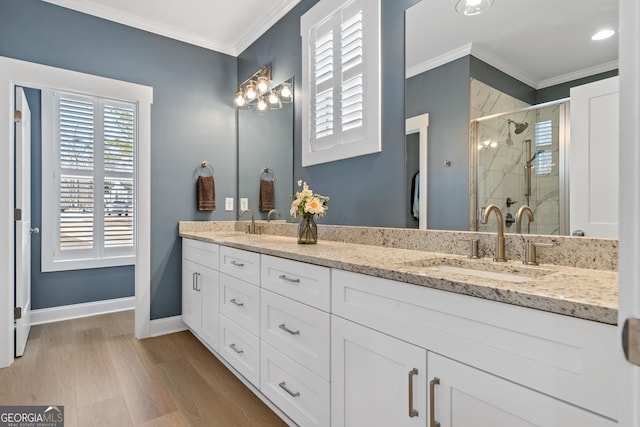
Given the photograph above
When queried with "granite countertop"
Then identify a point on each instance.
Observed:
(583, 293)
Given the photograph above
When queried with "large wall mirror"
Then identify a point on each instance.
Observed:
(265, 152)
(483, 80)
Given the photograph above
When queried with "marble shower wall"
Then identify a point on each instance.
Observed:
(502, 156)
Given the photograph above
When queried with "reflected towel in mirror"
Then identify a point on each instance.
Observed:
(267, 195)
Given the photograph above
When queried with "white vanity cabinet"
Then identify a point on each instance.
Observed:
(376, 380)
(490, 353)
(200, 289)
(295, 334)
(468, 397)
(240, 311)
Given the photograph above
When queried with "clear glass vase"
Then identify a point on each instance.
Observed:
(307, 230)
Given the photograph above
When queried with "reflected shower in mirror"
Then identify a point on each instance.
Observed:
(265, 141)
(481, 67)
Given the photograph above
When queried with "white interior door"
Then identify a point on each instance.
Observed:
(594, 160)
(23, 226)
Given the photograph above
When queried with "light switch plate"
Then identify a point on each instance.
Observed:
(244, 203)
(228, 204)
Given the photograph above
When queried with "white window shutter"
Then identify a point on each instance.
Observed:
(341, 68)
(88, 206)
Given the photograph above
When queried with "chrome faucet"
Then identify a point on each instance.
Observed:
(523, 209)
(499, 256)
(273, 211)
(252, 227)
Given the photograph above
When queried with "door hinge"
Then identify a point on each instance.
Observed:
(17, 313)
(17, 214)
(631, 340)
(17, 116)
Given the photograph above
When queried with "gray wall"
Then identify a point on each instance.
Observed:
(562, 90)
(497, 79)
(192, 118)
(64, 287)
(367, 190)
(443, 92)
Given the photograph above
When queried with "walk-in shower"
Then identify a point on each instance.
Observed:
(518, 158)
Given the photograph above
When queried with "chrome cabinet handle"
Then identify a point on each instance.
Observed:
(432, 402)
(283, 386)
(284, 328)
(288, 279)
(198, 287)
(413, 412)
(193, 281)
(233, 347)
(237, 264)
(234, 302)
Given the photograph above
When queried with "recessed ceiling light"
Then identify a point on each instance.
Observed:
(473, 7)
(603, 34)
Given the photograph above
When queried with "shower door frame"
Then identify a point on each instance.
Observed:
(563, 161)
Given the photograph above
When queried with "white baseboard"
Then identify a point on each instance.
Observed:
(166, 325)
(75, 311)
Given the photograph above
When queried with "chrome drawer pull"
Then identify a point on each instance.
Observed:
(412, 411)
(237, 264)
(288, 279)
(284, 328)
(233, 347)
(193, 281)
(283, 386)
(234, 302)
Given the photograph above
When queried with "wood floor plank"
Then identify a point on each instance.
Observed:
(143, 390)
(106, 413)
(173, 419)
(97, 380)
(102, 375)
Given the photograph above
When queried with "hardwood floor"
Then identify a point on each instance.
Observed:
(105, 377)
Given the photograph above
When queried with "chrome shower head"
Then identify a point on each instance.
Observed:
(520, 127)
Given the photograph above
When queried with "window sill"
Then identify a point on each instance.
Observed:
(85, 264)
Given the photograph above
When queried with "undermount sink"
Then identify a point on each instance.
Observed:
(483, 269)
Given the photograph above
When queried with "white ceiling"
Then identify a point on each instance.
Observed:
(540, 42)
(227, 26)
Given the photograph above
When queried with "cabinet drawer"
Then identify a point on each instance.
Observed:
(207, 254)
(240, 264)
(309, 284)
(297, 330)
(557, 355)
(240, 302)
(303, 396)
(241, 349)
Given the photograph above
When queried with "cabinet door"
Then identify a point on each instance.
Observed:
(468, 397)
(191, 299)
(376, 380)
(209, 285)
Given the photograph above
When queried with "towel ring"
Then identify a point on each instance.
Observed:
(206, 166)
(267, 173)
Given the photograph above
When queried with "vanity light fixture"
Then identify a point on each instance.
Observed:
(472, 7)
(256, 92)
(602, 34)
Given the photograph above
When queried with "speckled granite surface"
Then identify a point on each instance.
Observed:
(590, 294)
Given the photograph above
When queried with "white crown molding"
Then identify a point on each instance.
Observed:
(260, 27)
(155, 27)
(76, 311)
(445, 58)
(504, 66)
(586, 72)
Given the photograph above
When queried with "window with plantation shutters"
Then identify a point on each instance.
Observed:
(88, 181)
(341, 65)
